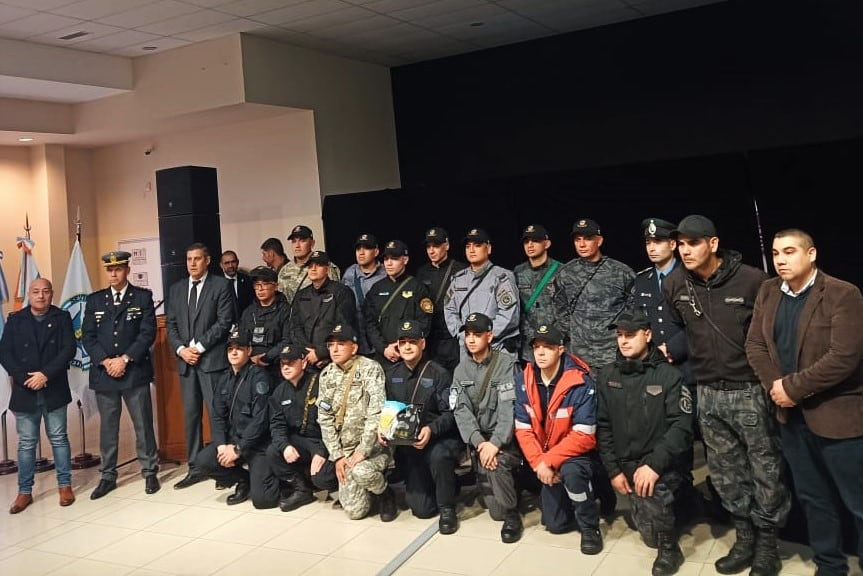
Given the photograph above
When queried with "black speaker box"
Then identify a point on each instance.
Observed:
(187, 190)
(171, 273)
(176, 233)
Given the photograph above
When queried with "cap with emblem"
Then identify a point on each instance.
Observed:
(395, 248)
(630, 321)
(695, 226)
(342, 333)
(300, 231)
(477, 322)
(366, 241)
(534, 232)
(586, 227)
(477, 236)
(319, 257)
(263, 274)
(548, 334)
(436, 235)
(411, 330)
(657, 228)
(291, 353)
(116, 258)
(238, 338)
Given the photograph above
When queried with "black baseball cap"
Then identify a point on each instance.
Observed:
(695, 226)
(548, 334)
(395, 248)
(411, 330)
(630, 321)
(291, 353)
(586, 227)
(319, 257)
(342, 333)
(366, 241)
(534, 232)
(238, 338)
(478, 236)
(477, 322)
(436, 235)
(263, 274)
(300, 231)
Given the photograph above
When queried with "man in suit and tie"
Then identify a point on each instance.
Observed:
(243, 289)
(201, 311)
(118, 330)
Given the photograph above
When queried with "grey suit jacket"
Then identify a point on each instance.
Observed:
(215, 316)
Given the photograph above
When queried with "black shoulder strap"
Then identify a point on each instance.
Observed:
(477, 282)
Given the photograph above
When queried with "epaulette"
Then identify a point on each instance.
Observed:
(648, 269)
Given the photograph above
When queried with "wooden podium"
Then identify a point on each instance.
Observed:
(169, 402)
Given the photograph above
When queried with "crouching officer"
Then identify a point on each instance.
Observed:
(297, 453)
(240, 430)
(351, 398)
(266, 320)
(428, 465)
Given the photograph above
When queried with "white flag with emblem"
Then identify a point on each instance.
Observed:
(74, 300)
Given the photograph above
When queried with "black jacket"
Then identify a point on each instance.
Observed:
(268, 327)
(240, 414)
(644, 415)
(21, 351)
(294, 416)
(432, 391)
(412, 302)
(110, 330)
(316, 311)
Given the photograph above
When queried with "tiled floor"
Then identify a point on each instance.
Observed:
(193, 531)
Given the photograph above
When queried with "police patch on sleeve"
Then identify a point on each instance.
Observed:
(505, 299)
(685, 400)
(262, 387)
(453, 398)
(427, 306)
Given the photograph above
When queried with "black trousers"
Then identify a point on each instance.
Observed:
(263, 484)
(325, 479)
(429, 474)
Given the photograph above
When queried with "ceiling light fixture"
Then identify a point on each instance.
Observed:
(25, 139)
(149, 48)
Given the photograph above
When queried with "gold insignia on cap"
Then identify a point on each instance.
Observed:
(530, 229)
(298, 228)
(338, 328)
(542, 329)
(473, 232)
(364, 237)
(471, 318)
(431, 232)
(407, 294)
(391, 245)
(113, 258)
(582, 224)
(651, 228)
(406, 326)
(286, 349)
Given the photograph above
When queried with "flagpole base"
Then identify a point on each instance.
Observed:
(8, 467)
(43, 464)
(85, 460)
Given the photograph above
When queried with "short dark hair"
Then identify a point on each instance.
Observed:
(275, 245)
(198, 246)
(231, 252)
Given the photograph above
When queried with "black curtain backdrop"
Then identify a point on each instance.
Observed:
(810, 187)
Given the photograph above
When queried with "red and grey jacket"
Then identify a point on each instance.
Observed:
(569, 427)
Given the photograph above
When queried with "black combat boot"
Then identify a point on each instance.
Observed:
(389, 511)
(300, 495)
(669, 559)
(742, 552)
(766, 561)
(512, 527)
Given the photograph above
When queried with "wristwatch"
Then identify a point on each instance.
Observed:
(126, 358)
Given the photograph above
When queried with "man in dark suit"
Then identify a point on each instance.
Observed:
(201, 311)
(243, 288)
(35, 350)
(118, 329)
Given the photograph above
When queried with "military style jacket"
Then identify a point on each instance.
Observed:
(541, 311)
(427, 384)
(240, 409)
(361, 407)
(484, 414)
(495, 295)
(316, 311)
(294, 416)
(410, 302)
(268, 327)
(588, 296)
(644, 415)
(110, 330)
(293, 277)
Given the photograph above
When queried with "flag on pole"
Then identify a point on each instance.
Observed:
(5, 387)
(76, 288)
(28, 272)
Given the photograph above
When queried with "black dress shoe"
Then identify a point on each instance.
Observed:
(241, 494)
(190, 480)
(151, 484)
(103, 488)
(512, 528)
(448, 521)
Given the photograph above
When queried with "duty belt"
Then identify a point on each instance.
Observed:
(728, 385)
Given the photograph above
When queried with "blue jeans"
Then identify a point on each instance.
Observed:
(27, 426)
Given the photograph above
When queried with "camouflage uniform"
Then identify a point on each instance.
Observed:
(588, 296)
(542, 310)
(496, 297)
(359, 432)
(293, 276)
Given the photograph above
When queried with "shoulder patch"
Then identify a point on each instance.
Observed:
(262, 387)
(685, 400)
(427, 306)
(646, 270)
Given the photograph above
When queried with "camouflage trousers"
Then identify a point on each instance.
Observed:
(361, 481)
(655, 513)
(739, 432)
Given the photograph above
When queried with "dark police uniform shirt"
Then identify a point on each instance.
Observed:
(427, 384)
(267, 327)
(316, 311)
(411, 302)
(437, 281)
(294, 416)
(240, 409)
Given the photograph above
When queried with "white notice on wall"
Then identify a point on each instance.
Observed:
(145, 266)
